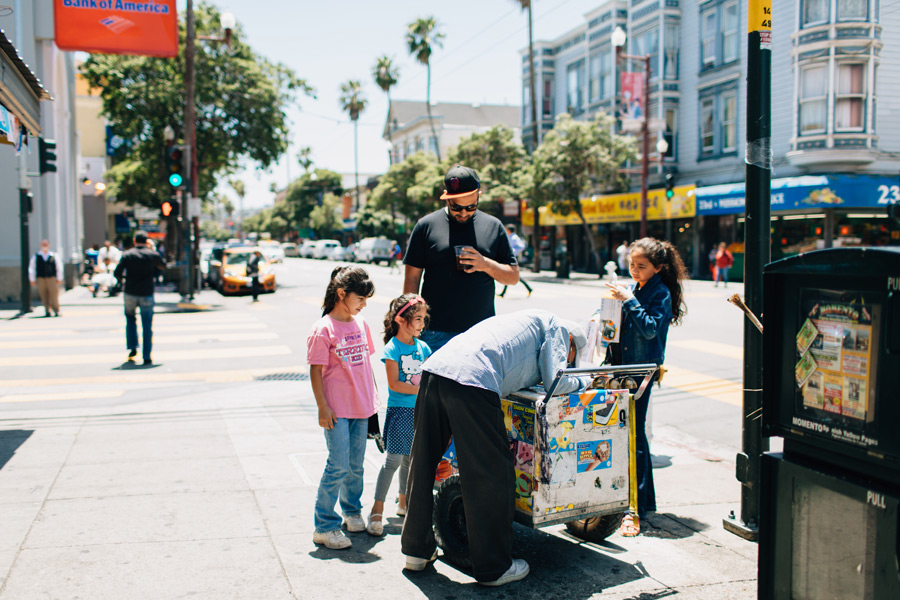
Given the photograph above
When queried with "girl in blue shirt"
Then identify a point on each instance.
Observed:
(655, 301)
(403, 356)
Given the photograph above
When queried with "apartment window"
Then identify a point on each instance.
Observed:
(708, 37)
(813, 12)
(850, 97)
(851, 10)
(707, 132)
(600, 76)
(420, 145)
(670, 67)
(729, 122)
(671, 133)
(575, 87)
(648, 43)
(812, 99)
(526, 101)
(729, 32)
(432, 145)
(547, 98)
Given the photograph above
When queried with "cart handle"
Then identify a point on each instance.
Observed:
(645, 369)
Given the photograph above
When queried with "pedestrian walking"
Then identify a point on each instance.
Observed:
(622, 257)
(713, 272)
(655, 301)
(45, 271)
(339, 347)
(466, 279)
(724, 260)
(460, 396)
(517, 245)
(138, 269)
(253, 272)
(404, 354)
(396, 255)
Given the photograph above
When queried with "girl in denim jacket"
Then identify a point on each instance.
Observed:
(655, 301)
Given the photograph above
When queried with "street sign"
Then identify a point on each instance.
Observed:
(195, 207)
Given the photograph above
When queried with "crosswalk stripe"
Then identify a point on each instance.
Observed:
(87, 343)
(701, 384)
(160, 357)
(111, 329)
(717, 348)
(57, 396)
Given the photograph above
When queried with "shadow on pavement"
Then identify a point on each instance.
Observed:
(10, 441)
(669, 526)
(359, 553)
(130, 365)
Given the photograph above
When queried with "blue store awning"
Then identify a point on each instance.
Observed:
(805, 192)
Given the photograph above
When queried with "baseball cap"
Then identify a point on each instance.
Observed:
(460, 182)
(578, 336)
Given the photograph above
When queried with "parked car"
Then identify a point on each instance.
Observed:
(233, 273)
(350, 252)
(340, 254)
(214, 270)
(374, 250)
(272, 250)
(306, 248)
(324, 248)
(290, 249)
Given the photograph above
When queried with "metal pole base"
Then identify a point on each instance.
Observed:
(734, 525)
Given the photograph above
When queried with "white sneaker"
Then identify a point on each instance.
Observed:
(354, 523)
(336, 540)
(516, 571)
(376, 528)
(414, 563)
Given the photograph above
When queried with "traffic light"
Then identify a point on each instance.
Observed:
(47, 152)
(169, 208)
(670, 186)
(176, 166)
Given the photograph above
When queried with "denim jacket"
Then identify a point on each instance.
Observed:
(645, 323)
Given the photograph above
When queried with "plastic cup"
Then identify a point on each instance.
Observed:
(458, 250)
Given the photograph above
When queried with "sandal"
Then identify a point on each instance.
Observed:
(375, 528)
(631, 526)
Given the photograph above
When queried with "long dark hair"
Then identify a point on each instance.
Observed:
(353, 280)
(391, 327)
(663, 254)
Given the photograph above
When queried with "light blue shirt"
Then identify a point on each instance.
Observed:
(409, 359)
(507, 353)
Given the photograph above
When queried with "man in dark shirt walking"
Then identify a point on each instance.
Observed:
(139, 266)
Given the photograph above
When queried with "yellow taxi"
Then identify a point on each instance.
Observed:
(234, 279)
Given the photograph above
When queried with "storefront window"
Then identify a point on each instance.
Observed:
(812, 99)
(850, 97)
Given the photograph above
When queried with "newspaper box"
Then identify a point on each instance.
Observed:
(573, 457)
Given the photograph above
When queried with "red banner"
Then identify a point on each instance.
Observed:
(632, 95)
(145, 27)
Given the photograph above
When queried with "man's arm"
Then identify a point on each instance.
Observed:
(120, 269)
(412, 280)
(503, 274)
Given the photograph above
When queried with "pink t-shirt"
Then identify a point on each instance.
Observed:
(343, 349)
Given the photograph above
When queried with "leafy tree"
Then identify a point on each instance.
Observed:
(324, 219)
(241, 98)
(304, 158)
(354, 103)
(386, 76)
(238, 186)
(371, 222)
(578, 157)
(422, 37)
(499, 162)
(211, 230)
(410, 189)
(307, 192)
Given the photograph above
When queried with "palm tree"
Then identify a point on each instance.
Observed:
(353, 102)
(422, 37)
(526, 5)
(386, 74)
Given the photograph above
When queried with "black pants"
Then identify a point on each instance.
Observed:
(474, 418)
(255, 280)
(522, 281)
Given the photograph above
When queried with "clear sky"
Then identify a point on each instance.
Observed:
(328, 42)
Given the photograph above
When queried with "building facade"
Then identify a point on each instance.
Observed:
(836, 152)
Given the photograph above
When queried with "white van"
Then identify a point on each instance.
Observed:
(374, 250)
(324, 248)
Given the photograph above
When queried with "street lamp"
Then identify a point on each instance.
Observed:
(618, 39)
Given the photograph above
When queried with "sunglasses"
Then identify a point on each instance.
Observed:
(467, 207)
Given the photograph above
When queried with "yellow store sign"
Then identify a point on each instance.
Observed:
(622, 208)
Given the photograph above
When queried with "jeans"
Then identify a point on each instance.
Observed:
(646, 492)
(436, 339)
(343, 476)
(131, 337)
(722, 275)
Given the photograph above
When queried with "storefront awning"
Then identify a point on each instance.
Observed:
(805, 192)
(20, 90)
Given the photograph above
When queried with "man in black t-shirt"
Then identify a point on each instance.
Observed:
(139, 267)
(458, 298)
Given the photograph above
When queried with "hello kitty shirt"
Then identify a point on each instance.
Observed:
(343, 350)
(409, 358)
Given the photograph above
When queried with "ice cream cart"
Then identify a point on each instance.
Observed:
(573, 455)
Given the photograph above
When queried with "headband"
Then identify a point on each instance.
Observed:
(413, 300)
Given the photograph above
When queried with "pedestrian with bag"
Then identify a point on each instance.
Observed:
(45, 271)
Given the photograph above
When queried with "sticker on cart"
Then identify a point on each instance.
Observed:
(598, 407)
(563, 467)
(524, 487)
(522, 428)
(559, 509)
(562, 441)
(523, 455)
(594, 455)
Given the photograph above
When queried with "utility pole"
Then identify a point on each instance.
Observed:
(190, 134)
(758, 194)
(645, 146)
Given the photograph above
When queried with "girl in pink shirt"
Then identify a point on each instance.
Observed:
(338, 351)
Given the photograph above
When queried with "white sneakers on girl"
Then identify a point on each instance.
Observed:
(375, 528)
(354, 523)
(336, 540)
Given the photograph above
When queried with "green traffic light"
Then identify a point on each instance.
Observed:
(175, 179)
(670, 194)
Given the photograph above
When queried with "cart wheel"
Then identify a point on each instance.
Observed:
(449, 520)
(595, 529)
